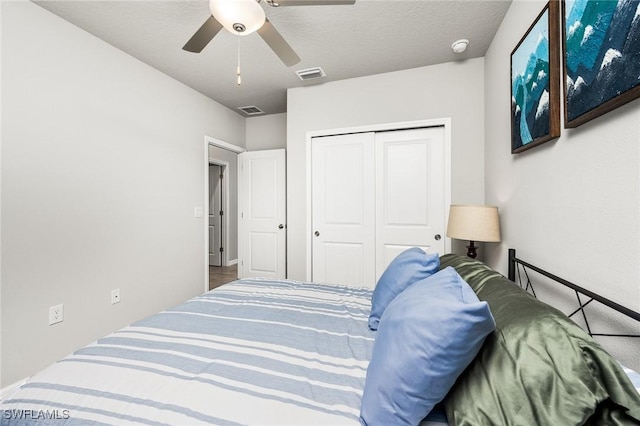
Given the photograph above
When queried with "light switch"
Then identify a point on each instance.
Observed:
(198, 211)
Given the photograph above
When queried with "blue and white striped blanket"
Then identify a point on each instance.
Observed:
(250, 352)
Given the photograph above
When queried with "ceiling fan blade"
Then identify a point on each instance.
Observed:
(314, 2)
(203, 36)
(278, 44)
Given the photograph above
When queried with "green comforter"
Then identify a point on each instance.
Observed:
(538, 367)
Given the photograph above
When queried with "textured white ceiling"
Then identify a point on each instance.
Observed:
(370, 37)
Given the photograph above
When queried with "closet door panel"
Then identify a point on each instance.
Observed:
(343, 215)
(345, 263)
(410, 210)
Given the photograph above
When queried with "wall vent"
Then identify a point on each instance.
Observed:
(251, 110)
(310, 73)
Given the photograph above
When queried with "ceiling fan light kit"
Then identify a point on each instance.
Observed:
(240, 17)
(243, 17)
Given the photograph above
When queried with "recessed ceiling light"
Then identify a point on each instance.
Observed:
(460, 45)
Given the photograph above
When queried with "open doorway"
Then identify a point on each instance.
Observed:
(221, 212)
(220, 269)
(216, 213)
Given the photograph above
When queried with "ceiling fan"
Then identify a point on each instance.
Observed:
(243, 17)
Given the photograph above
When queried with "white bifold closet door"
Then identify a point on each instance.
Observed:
(374, 195)
(343, 200)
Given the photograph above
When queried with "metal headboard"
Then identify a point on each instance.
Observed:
(518, 268)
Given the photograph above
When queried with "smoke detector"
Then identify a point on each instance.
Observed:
(460, 45)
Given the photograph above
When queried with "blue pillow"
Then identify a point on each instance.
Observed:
(427, 336)
(408, 267)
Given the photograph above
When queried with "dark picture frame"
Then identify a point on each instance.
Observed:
(535, 82)
(601, 51)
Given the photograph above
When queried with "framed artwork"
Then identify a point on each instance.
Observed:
(601, 49)
(535, 82)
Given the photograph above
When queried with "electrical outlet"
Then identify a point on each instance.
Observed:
(115, 296)
(56, 314)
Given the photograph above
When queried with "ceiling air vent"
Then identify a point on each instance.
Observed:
(310, 73)
(251, 110)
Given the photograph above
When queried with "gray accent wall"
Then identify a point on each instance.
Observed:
(267, 132)
(102, 167)
(571, 206)
(453, 90)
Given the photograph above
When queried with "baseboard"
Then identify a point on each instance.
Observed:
(9, 390)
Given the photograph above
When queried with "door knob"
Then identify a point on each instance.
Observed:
(317, 234)
(280, 226)
(437, 237)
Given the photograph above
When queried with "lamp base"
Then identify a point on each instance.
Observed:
(472, 250)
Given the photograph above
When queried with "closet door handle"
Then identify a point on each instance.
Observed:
(317, 234)
(437, 237)
(280, 226)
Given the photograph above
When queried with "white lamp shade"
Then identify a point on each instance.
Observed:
(230, 12)
(474, 223)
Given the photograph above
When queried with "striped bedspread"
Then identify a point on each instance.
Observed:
(250, 352)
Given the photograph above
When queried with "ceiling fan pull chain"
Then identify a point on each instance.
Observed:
(238, 69)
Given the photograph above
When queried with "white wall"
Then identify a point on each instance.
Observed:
(102, 165)
(570, 206)
(1, 103)
(452, 90)
(267, 132)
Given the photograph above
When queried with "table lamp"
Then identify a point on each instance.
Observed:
(474, 223)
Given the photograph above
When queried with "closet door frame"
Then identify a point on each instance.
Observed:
(440, 122)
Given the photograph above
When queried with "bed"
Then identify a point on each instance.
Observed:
(277, 352)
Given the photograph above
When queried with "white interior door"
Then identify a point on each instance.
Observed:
(410, 208)
(343, 188)
(263, 214)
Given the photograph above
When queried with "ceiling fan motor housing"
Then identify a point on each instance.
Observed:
(241, 17)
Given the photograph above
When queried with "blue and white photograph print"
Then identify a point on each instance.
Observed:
(602, 57)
